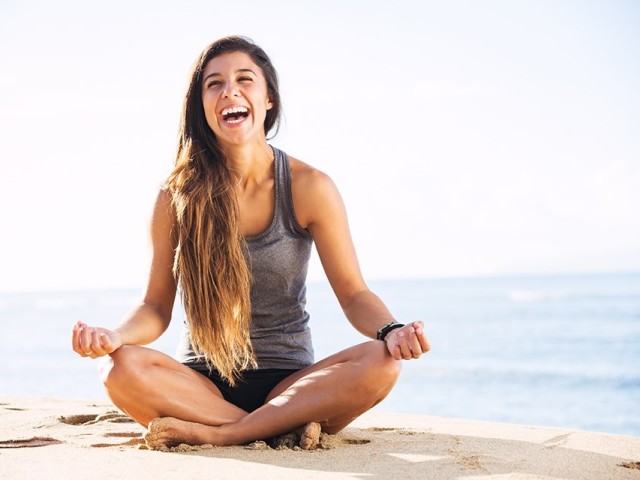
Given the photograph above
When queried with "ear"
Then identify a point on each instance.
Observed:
(269, 104)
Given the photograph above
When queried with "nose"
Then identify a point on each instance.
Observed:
(230, 90)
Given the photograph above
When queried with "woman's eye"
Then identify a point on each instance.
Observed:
(245, 79)
(213, 83)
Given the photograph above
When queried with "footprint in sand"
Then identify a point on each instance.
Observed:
(29, 442)
(354, 441)
(84, 420)
(25, 442)
(113, 417)
(382, 429)
(557, 441)
(129, 443)
(123, 434)
(7, 406)
(77, 419)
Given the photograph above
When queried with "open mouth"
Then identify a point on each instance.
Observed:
(235, 114)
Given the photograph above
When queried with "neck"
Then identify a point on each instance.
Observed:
(250, 161)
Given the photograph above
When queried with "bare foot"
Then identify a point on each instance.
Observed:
(166, 432)
(309, 435)
(307, 438)
(284, 441)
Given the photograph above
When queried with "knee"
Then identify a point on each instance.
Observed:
(382, 369)
(118, 367)
(390, 367)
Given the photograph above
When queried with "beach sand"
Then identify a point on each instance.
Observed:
(47, 438)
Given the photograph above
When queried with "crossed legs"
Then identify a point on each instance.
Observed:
(188, 408)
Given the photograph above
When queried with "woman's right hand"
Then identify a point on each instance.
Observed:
(94, 342)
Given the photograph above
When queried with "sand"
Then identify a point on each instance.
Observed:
(68, 439)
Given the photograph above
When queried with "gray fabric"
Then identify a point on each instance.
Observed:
(278, 259)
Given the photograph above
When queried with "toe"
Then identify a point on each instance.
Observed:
(310, 436)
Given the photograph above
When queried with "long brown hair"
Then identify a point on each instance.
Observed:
(210, 261)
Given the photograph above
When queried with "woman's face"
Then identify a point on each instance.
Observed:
(235, 98)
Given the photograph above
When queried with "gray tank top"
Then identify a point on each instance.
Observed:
(278, 259)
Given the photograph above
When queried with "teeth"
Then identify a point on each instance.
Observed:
(230, 110)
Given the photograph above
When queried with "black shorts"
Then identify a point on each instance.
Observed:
(252, 390)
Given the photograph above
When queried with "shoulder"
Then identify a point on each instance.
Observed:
(313, 192)
(163, 206)
(163, 218)
(304, 175)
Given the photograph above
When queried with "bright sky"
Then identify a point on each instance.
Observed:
(466, 137)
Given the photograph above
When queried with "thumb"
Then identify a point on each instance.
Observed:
(106, 343)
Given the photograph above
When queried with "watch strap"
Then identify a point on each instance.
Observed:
(385, 329)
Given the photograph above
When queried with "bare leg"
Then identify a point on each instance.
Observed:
(148, 384)
(333, 392)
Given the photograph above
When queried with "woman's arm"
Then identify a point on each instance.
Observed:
(319, 208)
(148, 320)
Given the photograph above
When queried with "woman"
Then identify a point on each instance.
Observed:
(234, 226)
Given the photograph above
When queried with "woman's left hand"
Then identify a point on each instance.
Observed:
(408, 342)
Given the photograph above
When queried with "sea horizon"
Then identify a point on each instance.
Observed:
(373, 279)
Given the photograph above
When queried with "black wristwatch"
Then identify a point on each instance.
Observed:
(385, 329)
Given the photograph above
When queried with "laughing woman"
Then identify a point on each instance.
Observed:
(233, 226)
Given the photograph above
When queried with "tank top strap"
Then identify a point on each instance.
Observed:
(283, 196)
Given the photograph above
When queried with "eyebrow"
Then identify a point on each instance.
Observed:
(240, 70)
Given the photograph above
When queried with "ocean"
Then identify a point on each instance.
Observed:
(537, 350)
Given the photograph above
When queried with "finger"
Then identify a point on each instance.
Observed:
(95, 347)
(403, 344)
(414, 343)
(105, 343)
(112, 341)
(74, 338)
(425, 346)
(418, 325)
(95, 338)
(85, 340)
(101, 344)
(424, 341)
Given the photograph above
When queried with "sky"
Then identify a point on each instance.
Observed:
(467, 138)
